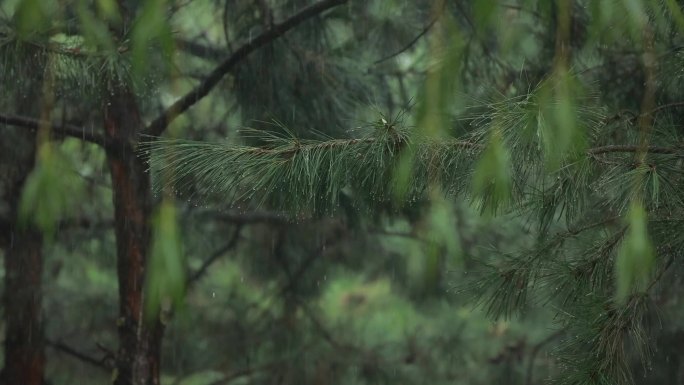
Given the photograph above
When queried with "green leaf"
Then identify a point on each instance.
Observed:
(95, 33)
(34, 16)
(636, 257)
(402, 175)
(439, 245)
(492, 179)
(483, 13)
(676, 13)
(109, 10)
(151, 26)
(166, 271)
(559, 128)
(49, 191)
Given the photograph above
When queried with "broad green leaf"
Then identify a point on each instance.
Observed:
(151, 26)
(166, 271)
(676, 13)
(636, 256)
(50, 190)
(438, 93)
(109, 10)
(437, 97)
(401, 176)
(35, 16)
(483, 12)
(637, 12)
(492, 179)
(439, 241)
(95, 33)
(560, 130)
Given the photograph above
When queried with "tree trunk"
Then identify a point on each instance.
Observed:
(138, 358)
(22, 300)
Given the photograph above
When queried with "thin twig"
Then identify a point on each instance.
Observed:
(159, 124)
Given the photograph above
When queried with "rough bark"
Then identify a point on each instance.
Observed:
(22, 300)
(138, 358)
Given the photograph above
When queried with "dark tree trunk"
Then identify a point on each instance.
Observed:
(24, 342)
(22, 300)
(138, 358)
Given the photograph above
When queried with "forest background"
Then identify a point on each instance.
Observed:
(341, 192)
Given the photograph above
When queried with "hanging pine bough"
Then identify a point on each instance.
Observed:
(309, 176)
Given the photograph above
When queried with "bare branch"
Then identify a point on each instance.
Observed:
(214, 257)
(59, 129)
(409, 44)
(159, 124)
(62, 347)
(633, 148)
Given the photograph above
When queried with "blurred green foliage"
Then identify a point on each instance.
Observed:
(346, 242)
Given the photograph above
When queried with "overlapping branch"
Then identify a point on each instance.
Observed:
(277, 30)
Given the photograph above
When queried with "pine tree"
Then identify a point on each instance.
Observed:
(100, 63)
(578, 140)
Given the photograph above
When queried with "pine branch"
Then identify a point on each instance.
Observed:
(65, 129)
(159, 124)
(309, 176)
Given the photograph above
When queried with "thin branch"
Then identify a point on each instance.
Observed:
(246, 218)
(324, 332)
(159, 124)
(200, 50)
(535, 351)
(214, 257)
(666, 106)
(634, 116)
(297, 275)
(62, 347)
(59, 129)
(86, 223)
(248, 372)
(633, 148)
(411, 43)
(660, 274)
